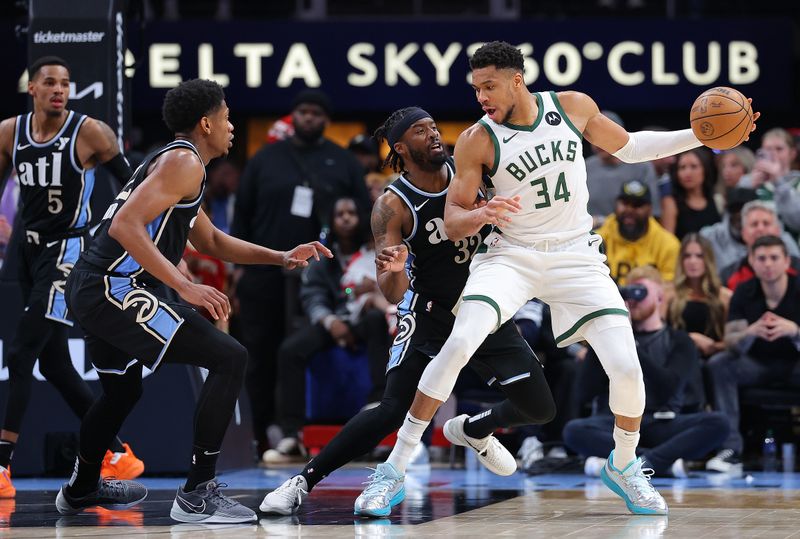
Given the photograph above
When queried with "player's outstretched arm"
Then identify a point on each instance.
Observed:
(463, 216)
(390, 252)
(209, 240)
(634, 147)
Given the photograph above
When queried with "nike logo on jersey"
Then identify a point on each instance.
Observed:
(509, 138)
(211, 452)
(417, 208)
(51, 243)
(593, 241)
(191, 507)
(21, 147)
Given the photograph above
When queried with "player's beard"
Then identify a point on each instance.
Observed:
(426, 161)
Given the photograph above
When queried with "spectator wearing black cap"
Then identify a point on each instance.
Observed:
(726, 236)
(286, 193)
(633, 237)
(605, 174)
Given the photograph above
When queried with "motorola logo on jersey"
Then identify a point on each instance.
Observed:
(552, 118)
(146, 302)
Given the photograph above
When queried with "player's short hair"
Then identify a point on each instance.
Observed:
(645, 272)
(189, 101)
(499, 54)
(393, 159)
(39, 63)
(769, 241)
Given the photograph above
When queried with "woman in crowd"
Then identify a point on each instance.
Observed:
(693, 179)
(700, 302)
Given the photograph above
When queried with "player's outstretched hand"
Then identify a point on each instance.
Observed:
(392, 259)
(299, 256)
(496, 211)
(207, 297)
(756, 116)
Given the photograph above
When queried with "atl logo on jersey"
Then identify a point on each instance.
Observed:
(46, 172)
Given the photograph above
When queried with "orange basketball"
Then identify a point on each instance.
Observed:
(721, 118)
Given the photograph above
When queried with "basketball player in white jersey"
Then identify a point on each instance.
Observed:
(542, 246)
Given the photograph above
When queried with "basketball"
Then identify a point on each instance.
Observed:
(721, 118)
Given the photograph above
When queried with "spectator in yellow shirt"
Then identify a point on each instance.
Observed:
(632, 237)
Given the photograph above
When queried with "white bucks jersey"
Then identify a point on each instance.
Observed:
(543, 165)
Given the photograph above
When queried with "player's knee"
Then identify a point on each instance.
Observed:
(456, 350)
(238, 359)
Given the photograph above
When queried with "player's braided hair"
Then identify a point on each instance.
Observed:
(185, 104)
(499, 54)
(393, 160)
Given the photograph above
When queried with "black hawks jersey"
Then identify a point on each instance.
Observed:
(55, 189)
(437, 267)
(169, 231)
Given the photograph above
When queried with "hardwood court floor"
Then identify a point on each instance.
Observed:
(441, 503)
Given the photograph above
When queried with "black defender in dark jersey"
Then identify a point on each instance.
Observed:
(424, 272)
(117, 293)
(54, 153)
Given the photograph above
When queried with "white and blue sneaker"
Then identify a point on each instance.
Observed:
(633, 485)
(384, 490)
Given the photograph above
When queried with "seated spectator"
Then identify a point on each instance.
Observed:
(605, 175)
(672, 428)
(340, 295)
(758, 219)
(763, 340)
(732, 165)
(700, 302)
(693, 178)
(773, 178)
(632, 237)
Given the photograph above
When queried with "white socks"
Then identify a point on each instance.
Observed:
(625, 443)
(408, 437)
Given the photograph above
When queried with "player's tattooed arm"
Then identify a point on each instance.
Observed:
(390, 252)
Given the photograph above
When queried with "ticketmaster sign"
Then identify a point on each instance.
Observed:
(383, 65)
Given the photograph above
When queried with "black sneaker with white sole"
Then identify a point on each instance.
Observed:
(208, 505)
(727, 461)
(110, 493)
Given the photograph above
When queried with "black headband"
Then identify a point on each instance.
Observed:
(414, 114)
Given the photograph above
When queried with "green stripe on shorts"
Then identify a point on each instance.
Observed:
(486, 299)
(602, 312)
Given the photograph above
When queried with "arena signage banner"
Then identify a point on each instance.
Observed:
(628, 64)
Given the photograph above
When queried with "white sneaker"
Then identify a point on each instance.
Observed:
(491, 453)
(678, 469)
(593, 465)
(530, 451)
(286, 499)
(632, 484)
(288, 451)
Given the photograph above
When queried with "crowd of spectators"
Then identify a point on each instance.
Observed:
(703, 245)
